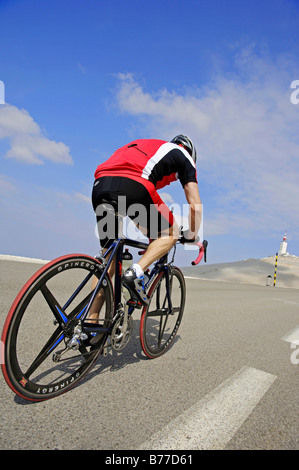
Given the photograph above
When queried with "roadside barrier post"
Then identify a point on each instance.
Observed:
(275, 271)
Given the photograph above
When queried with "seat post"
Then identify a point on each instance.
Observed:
(114, 208)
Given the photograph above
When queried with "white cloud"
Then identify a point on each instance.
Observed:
(28, 144)
(44, 223)
(7, 186)
(82, 68)
(83, 198)
(246, 132)
(2, 92)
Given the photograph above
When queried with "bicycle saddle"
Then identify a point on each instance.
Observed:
(114, 207)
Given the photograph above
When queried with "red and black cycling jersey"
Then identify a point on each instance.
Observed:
(156, 161)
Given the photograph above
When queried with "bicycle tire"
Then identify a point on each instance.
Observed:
(31, 332)
(159, 324)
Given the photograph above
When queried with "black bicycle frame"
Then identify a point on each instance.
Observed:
(115, 251)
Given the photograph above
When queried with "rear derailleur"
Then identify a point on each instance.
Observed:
(73, 337)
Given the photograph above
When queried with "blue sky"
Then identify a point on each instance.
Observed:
(83, 78)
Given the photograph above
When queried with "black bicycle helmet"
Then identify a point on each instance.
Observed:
(187, 143)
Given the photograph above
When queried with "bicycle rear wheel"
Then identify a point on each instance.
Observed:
(161, 319)
(38, 365)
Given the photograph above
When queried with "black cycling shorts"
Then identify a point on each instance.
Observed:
(140, 202)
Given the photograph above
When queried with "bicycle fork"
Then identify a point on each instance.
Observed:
(168, 282)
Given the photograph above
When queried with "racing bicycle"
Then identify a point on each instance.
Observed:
(48, 342)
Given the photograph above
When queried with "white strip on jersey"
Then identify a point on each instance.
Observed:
(161, 152)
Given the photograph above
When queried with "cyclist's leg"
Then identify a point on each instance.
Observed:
(160, 246)
(98, 302)
(162, 229)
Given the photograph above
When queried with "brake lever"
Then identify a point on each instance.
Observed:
(202, 252)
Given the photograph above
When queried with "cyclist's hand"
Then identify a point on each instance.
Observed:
(186, 237)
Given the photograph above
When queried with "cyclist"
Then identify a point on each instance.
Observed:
(136, 171)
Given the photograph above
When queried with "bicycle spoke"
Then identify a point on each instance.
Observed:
(56, 309)
(161, 330)
(59, 312)
(157, 313)
(50, 345)
(57, 336)
(161, 312)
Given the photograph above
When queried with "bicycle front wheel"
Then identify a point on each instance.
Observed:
(43, 322)
(161, 318)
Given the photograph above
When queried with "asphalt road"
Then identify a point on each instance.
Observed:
(232, 352)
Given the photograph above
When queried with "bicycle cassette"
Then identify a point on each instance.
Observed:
(120, 335)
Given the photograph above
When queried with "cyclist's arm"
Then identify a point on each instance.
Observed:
(195, 208)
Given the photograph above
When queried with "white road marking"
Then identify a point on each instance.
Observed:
(293, 336)
(212, 422)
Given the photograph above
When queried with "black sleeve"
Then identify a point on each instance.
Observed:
(186, 170)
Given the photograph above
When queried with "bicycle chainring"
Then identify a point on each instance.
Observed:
(120, 336)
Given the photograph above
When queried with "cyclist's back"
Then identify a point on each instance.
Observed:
(153, 160)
